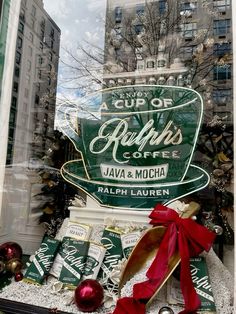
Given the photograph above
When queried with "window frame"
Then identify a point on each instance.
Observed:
(221, 30)
(18, 58)
(221, 5)
(221, 49)
(15, 87)
(222, 96)
(187, 31)
(162, 6)
(33, 10)
(21, 27)
(19, 42)
(31, 37)
(118, 14)
(140, 9)
(220, 75)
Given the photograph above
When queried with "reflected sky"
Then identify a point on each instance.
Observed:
(80, 21)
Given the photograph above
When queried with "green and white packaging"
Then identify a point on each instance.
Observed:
(42, 261)
(94, 260)
(73, 263)
(129, 241)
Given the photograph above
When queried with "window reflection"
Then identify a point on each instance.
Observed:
(183, 43)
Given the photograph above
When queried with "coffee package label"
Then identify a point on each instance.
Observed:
(78, 231)
(111, 239)
(58, 262)
(129, 241)
(94, 260)
(43, 260)
(74, 261)
(73, 230)
(201, 284)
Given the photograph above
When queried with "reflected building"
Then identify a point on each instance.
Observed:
(184, 43)
(33, 101)
(29, 113)
(134, 52)
(8, 32)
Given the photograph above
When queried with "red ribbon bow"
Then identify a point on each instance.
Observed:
(183, 235)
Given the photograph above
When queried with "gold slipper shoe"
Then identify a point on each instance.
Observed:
(146, 249)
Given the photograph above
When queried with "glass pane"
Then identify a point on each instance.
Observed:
(112, 111)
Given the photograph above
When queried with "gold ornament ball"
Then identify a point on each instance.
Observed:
(14, 265)
(51, 183)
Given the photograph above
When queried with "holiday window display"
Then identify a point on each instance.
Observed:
(139, 154)
(63, 299)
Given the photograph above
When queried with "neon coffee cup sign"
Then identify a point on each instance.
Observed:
(136, 144)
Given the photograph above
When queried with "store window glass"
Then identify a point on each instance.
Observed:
(22, 15)
(117, 156)
(222, 27)
(15, 87)
(31, 37)
(189, 30)
(162, 6)
(30, 50)
(42, 34)
(222, 96)
(27, 79)
(188, 7)
(19, 42)
(138, 28)
(24, 3)
(40, 60)
(140, 9)
(52, 32)
(188, 52)
(221, 5)
(14, 101)
(18, 57)
(221, 49)
(222, 72)
(118, 14)
(33, 12)
(12, 119)
(28, 65)
(31, 23)
(50, 56)
(17, 71)
(21, 27)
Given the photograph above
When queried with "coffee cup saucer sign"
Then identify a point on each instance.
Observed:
(136, 144)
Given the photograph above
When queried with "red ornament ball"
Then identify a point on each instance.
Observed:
(18, 276)
(10, 250)
(88, 295)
